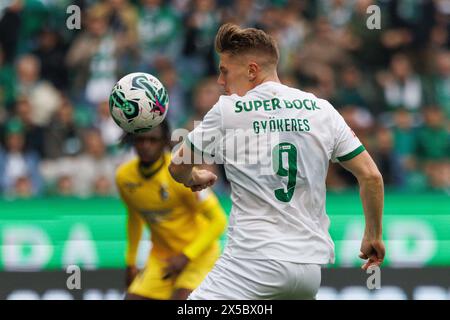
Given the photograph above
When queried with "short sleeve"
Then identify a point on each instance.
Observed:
(346, 143)
(206, 137)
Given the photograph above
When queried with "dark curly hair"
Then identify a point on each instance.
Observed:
(127, 139)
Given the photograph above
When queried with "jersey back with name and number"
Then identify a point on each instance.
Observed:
(276, 143)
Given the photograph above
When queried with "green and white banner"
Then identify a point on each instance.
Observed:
(52, 233)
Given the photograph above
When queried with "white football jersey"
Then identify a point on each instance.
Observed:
(276, 143)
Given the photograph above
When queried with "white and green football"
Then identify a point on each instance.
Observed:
(138, 102)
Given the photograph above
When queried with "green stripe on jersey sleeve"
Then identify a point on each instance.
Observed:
(352, 154)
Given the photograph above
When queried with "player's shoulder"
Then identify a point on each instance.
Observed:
(126, 168)
(326, 105)
(321, 104)
(323, 109)
(225, 100)
(222, 110)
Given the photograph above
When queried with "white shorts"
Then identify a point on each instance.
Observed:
(245, 279)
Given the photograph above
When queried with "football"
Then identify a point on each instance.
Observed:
(138, 102)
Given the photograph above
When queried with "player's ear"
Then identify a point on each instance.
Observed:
(253, 70)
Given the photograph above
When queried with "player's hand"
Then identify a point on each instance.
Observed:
(130, 273)
(373, 251)
(201, 179)
(175, 265)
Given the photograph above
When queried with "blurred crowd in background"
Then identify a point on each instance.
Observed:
(392, 85)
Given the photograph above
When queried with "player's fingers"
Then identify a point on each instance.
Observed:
(363, 256)
(168, 272)
(199, 187)
(365, 266)
(377, 262)
(373, 261)
(380, 252)
(173, 272)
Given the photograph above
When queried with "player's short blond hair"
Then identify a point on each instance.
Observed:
(237, 41)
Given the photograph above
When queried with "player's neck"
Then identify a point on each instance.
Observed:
(270, 77)
(148, 169)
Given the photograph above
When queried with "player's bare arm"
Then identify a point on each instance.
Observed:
(192, 176)
(372, 196)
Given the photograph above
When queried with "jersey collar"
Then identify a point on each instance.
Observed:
(148, 172)
(265, 83)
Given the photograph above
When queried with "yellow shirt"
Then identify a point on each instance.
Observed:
(180, 221)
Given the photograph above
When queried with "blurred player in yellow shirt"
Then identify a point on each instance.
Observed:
(184, 226)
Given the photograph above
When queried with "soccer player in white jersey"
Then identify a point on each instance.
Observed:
(278, 230)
